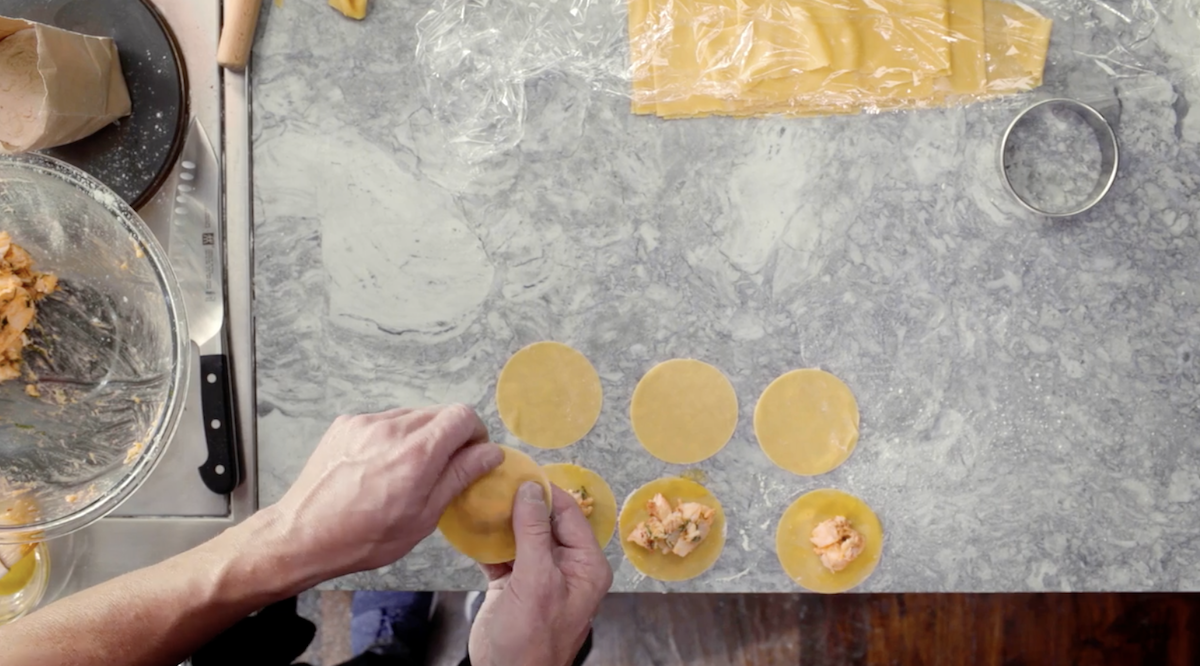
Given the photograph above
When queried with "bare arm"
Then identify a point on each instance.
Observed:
(372, 490)
(161, 614)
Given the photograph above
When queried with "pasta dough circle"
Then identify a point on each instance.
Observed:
(549, 395)
(807, 422)
(795, 551)
(683, 411)
(672, 567)
(478, 523)
(604, 508)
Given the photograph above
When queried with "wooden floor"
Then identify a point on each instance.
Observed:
(984, 630)
(849, 630)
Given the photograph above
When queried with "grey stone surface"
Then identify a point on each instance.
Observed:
(1030, 390)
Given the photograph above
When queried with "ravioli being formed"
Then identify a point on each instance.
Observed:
(593, 495)
(807, 422)
(699, 515)
(478, 523)
(828, 541)
(549, 395)
(683, 411)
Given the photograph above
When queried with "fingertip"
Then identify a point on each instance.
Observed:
(458, 416)
(490, 456)
(464, 468)
(529, 509)
(531, 493)
(531, 528)
(570, 526)
(477, 460)
(470, 429)
(563, 502)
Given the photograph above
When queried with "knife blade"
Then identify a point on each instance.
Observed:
(197, 255)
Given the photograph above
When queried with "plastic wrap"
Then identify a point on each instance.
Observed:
(694, 58)
(814, 57)
(476, 57)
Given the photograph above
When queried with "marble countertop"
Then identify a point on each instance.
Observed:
(1030, 390)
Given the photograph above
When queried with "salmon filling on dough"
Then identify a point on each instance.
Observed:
(678, 531)
(585, 501)
(837, 543)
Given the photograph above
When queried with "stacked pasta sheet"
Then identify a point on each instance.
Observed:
(694, 58)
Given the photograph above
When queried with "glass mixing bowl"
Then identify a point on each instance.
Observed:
(108, 354)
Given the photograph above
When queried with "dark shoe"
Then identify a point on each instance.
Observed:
(274, 636)
(392, 623)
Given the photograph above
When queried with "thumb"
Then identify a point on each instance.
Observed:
(531, 526)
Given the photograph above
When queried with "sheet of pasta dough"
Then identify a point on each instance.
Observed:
(815, 57)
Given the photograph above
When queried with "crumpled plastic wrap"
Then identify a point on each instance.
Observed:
(476, 56)
(688, 58)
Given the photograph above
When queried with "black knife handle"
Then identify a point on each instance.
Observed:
(222, 471)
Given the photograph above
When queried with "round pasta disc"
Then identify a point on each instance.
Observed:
(807, 422)
(478, 523)
(604, 507)
(683, 411)
(795, 550)
(671, 567)
(549, 395)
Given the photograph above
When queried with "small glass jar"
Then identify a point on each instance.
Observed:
(13, 606)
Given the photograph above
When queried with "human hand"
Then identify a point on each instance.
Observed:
(375, 487)
(538, 609)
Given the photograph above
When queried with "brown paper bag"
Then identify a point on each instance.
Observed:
(56, 86)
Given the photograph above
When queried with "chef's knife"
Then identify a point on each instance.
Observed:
(196, 254)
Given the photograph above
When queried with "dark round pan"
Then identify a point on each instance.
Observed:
(134, 155)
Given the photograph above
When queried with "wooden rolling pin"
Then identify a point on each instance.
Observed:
(237, 36)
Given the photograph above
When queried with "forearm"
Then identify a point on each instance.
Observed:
(160, 614)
